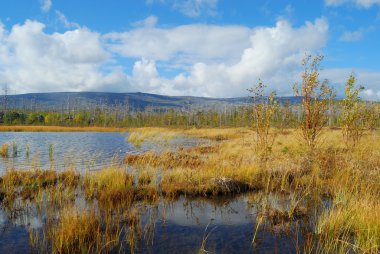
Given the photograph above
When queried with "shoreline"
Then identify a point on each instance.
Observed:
(42, 128)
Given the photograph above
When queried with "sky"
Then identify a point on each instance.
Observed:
(214, 48)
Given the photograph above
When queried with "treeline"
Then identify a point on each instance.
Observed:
(287, 116)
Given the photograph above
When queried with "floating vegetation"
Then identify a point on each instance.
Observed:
(14, 149)
(51, 152)
(27, 152)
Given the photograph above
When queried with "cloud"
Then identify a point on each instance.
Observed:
(190, 8)
(67, 24)
(150, 21)
(352, 36)
(358, 35)
(206, 60)
(335, 2)
(222, 60)
(368, 79)
(32, 60)
(273, 55)
(359, 3)
(194, 8)
(182, 45)
(46, 5)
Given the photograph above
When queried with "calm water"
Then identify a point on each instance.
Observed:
(83, 150)
(179, 227)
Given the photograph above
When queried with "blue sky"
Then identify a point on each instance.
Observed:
(215, 48)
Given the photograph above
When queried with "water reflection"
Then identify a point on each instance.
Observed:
(186, 212)
(175, 226)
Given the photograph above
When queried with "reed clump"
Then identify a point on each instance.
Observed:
(4, 151)
(111, 187)
(166, 159)
(75, 231)
(38, 178)
(353, 223)
(155, 135)
(194, 183)
(30, 184)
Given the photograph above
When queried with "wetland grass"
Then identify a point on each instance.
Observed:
(76, 231)
(4, 151)
(110, 187)
(231, 166)
(225, 165)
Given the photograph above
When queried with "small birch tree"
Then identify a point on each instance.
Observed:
(316, 97)
(353, 113)
(264, 108)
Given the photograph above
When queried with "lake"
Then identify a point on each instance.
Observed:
(81, 150)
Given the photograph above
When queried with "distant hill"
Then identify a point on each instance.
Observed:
(137, 101)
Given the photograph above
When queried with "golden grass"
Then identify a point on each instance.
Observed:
(167, 159)
(77, 231)
(157, 135)
(230, 166)
(114, 188)
(289, 168)
(110, 186)
(4, 150)
(352, 223)
(30, 184)
(21, 128)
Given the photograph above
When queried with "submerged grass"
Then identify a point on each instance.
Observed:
(75, 231)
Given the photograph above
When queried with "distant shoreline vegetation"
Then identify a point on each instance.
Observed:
(44, 128)
(102, 118)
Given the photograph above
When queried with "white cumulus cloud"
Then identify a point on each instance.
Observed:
(204, 60)
(187, 43)
(32, 60)
(270, 53)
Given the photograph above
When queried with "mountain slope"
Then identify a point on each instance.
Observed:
(137, 101)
